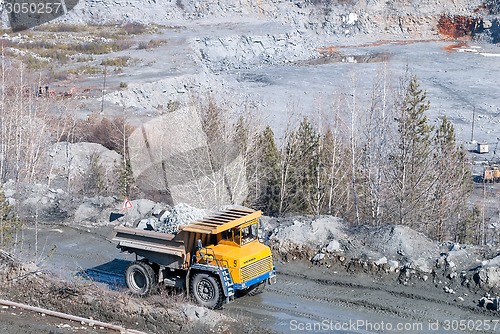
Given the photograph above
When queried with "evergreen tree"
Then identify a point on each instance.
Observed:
(303, 150)
(467, 227)
(94, 180)
(411, 176)
(126, 180)
(9, 221)
(264, 174)
(241, 136)
(454, 180)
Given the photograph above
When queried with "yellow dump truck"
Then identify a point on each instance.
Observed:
(211, 258)
(491, 173)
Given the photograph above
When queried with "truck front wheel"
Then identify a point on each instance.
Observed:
(207, 290)
(257, 289)
(141, 279)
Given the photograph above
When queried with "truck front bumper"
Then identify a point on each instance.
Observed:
(269, 276)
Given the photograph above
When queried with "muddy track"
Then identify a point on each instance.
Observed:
(389, 289)
(304, 293)
(307, 298)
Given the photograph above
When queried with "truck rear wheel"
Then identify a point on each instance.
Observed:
(141, 279)
(207, 290)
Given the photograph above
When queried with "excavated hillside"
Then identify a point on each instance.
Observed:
(382, 19)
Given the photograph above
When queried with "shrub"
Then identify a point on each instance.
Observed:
(61, 27)
(135, 28)
(119, 62)
(9, 221)
(151, 44)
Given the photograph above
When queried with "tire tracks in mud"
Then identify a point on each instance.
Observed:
(314, 298)
(333, 297)
(379, 287)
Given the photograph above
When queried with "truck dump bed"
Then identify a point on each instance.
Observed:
(175, 250)
(161, 248)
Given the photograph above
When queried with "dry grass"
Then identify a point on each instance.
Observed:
(118, 62)
(86, 69)
(61, 27)
(153, 43)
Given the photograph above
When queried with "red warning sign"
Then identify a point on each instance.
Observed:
(126, 204)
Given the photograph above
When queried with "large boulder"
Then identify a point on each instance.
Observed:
(71, 163)
(311, 232)
(172, 162)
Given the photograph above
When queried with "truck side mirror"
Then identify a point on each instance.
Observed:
(199, 245)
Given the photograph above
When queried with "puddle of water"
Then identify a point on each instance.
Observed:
(350, 59)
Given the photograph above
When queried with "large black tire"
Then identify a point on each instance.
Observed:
(257, 289)
(207, 290)
(141, 279)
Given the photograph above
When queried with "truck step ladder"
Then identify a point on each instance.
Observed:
(228, 282)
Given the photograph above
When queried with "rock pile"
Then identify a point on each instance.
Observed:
(168, 219)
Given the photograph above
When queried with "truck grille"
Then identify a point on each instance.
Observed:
(257, 268)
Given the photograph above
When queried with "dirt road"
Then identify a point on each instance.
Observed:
(307, 297)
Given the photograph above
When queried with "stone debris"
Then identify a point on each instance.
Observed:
(318, 257)
(168, 219)
(490, 303)
(381, 261)
(448, 290)
(333, 246)
(393, 265)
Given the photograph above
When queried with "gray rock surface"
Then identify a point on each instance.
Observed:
(168, 219)
(175, 163)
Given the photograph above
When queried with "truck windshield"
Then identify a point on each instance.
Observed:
(246, 234)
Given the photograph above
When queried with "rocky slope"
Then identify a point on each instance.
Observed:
(396, 18)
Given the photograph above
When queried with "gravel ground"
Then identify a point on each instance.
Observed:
(308, 293)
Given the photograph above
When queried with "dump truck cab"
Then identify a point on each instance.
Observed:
(212, 258)
(239, 250)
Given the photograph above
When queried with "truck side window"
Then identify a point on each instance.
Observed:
(237, 236)
(227, 235)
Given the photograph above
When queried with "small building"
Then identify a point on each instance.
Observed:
(482, 148)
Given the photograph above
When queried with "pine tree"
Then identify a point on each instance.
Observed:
(126, 180)
(411, 177)
(454, 180)
(9, 221)
(303, 150)
(467, 227)
(94, 180)
(264, 173)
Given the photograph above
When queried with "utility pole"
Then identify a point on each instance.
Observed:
(473, 120)
(103, 90)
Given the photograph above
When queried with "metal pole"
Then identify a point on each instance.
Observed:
(473, 120)
(103, 89)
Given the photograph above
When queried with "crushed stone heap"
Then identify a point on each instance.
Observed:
(169, 219)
